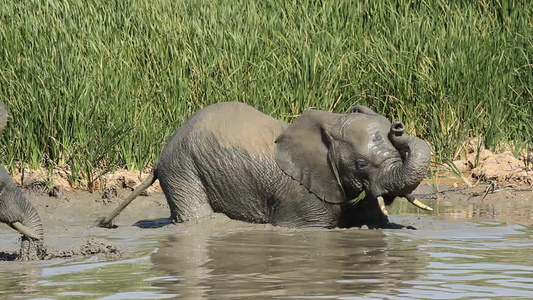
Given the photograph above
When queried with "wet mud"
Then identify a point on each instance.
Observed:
(70, 220)
(37, 250)
(471, 246)
(70, 231)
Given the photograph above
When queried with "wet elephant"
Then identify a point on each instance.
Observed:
(233, 159)
(15, 209)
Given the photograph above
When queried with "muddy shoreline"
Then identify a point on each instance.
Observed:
(465, 237)
(70, 230)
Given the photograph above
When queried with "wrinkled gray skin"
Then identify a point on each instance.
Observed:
(233, 159)
(15, 210)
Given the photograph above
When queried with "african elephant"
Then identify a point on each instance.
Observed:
(15, 209)
(233, 159)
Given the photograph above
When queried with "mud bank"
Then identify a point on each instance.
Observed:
(37, 250)
(71, 232)
(501, 168)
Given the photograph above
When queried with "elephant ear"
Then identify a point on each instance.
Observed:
(3, 116)
(305, 151)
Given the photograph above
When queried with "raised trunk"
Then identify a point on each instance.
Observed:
(403, 178)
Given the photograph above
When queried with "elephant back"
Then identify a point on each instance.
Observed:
(232, 125)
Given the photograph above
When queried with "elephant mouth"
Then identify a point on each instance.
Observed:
(409, 197)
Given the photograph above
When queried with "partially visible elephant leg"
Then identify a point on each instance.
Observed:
(187, 200)
(304, 211)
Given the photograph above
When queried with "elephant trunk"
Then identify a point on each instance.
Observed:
(30, 224)
(18, 212)
(404, 177)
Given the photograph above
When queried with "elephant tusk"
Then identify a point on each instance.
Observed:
(25, 230)
(381, 204)
(417, 203)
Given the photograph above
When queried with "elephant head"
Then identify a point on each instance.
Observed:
(15, 209)
(339, 156)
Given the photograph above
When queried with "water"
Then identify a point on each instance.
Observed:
(449, 257)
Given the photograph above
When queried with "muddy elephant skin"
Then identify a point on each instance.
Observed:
(233, 159)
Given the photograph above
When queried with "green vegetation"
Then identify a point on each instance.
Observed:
(96, 85)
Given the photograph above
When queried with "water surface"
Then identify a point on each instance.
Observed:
(452, 255)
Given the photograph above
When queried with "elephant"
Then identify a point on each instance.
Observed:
(231, 158)
(15, 209)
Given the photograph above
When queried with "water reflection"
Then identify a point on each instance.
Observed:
(23, 277)
(502, 211)
(460, 251)
(470, 260)
(277, 263)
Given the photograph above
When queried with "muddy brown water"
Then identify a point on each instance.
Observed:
(475, 245)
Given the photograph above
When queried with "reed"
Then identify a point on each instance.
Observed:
(92, 86)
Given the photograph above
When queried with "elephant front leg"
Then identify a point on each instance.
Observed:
(309, 211)
(186, 199)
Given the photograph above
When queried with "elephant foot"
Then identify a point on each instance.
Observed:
(31, 249)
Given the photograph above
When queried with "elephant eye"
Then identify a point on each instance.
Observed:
(361, 163)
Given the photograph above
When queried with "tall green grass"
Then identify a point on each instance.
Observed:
(96, 85)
